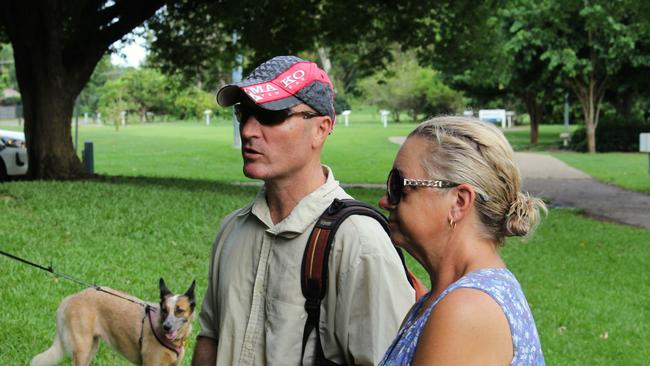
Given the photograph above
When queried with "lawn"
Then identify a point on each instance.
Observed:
(585, 279)
(197, 151)
(626, 170)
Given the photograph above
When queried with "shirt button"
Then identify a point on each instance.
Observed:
(249, 346)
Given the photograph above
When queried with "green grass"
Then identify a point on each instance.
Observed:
(626, 170)
(583, 278)
(586, 282)
(360, 153)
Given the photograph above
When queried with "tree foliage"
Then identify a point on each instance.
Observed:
(57, 45)
(201, 39)
(405, 86)
(588, 43)
(147, 93)
(7, 69)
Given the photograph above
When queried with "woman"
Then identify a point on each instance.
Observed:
(453, 196)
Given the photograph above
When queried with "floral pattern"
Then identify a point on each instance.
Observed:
(504, 288)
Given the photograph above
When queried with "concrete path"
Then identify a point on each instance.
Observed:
(563, 186)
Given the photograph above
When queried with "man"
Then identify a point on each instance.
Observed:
(253, 310)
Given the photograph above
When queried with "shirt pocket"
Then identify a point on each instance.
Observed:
(285, 323)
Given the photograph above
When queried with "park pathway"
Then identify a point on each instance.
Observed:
(564, 186)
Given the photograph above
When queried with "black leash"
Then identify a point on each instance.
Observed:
(68, 277)
(148, 308)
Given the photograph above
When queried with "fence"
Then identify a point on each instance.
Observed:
(11, 111)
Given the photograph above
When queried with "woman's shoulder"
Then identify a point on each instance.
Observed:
(465, 318)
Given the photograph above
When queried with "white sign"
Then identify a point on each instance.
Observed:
(644, 142)
(496, 116)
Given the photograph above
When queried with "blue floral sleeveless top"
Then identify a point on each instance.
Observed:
(504, 288)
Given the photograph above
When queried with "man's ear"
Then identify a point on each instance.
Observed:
(190, 294)
(463, 201)
(322, 128)
(164, 291)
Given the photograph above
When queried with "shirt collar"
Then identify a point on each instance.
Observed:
(304, 214)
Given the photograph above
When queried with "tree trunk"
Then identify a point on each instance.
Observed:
(48, 91)
(534, 111)
(590, 96)
(48, 133)
(57, 44)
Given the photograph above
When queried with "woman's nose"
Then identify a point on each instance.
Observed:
(384, 203)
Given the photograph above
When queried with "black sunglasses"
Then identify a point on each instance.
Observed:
(267, 117)
(396, 183)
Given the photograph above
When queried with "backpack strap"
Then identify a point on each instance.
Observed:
(316, 258)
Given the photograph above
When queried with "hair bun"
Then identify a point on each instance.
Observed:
(523, 215)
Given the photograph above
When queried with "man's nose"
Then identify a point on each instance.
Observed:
(250, 127)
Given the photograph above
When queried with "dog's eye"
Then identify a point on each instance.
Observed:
(179, 310)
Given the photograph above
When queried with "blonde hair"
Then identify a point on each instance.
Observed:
(466, 150)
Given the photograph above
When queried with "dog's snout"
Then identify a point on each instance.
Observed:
(167, 326)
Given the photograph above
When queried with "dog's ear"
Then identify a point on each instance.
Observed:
(164, 291)
(190, 294)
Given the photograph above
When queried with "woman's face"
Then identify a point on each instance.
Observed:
(420, 216)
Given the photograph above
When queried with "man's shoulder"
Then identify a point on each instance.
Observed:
(366, 234)
(239, 213)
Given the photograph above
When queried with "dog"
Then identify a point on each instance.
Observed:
(144, 333)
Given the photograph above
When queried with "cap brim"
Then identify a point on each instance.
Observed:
(232, 94)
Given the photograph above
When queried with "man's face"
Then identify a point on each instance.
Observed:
(275, 149)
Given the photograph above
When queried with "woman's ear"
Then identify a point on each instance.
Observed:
(464, 196)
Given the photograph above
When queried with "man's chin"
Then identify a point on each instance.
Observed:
(251, 172)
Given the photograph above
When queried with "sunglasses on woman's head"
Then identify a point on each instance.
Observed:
(396, 183)
(267, 117)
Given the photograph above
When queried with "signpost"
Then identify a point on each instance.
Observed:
(346, 116)
(644, 146)
(207, 114)
(384, 117)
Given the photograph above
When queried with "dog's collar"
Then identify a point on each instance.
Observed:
(177, 350)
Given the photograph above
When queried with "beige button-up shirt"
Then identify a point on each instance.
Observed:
(254, 306)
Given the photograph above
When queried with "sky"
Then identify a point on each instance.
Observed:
(134, 53)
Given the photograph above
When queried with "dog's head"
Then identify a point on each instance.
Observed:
(176, 311)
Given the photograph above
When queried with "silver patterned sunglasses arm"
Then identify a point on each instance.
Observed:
(438, 184)
(429, 183)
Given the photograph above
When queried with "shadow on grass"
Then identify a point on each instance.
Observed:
(187, 184)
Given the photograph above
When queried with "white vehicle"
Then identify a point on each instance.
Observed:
(13, 154)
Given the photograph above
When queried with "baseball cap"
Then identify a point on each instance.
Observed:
(281, 83)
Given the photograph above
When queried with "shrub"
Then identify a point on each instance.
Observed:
(340, 103)
(613, 134)
(190, 103)
(10, 101)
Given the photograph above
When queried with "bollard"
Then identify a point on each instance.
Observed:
(88, 157)
(346, 116)
(384, 117)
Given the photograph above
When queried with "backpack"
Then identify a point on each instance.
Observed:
(315, 261)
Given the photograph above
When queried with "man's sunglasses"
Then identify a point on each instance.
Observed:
(267, 117)
(396, 183)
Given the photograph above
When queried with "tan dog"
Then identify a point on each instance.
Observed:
(155, 337)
